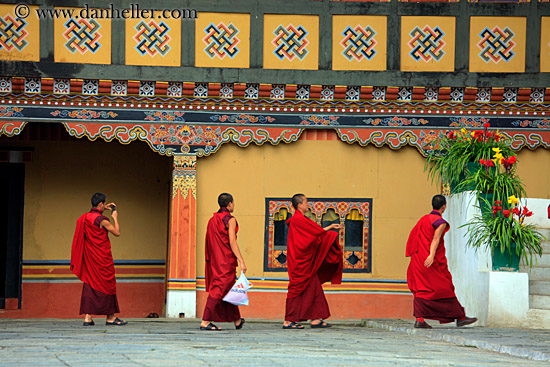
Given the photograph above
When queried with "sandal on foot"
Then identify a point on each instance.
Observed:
(116, 322)
(322, 324)
(293, 325)
(211, 327)
(240, 326)
(91, 323)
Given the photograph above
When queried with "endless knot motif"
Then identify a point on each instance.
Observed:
(152, 38)
(290, 42)
(496, 44)
(82, 35)
(427, 43)
(221, 40)
(13, 33)
(358, 43)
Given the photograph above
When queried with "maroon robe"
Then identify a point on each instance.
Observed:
(433, 289)
(92, 262)
(313, 258)
(221, 266)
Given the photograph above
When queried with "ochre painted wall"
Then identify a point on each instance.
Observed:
(534, 170)
(63, 176)
(395, 181)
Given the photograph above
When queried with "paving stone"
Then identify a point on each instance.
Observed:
(169, 342)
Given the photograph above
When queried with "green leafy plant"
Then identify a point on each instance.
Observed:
(448, 158)
(496, 176)
(504, 229)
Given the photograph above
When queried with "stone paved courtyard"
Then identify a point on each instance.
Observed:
(169, 342)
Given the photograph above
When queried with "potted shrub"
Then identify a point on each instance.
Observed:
(496, 180)
(456, 155)
(504, 232)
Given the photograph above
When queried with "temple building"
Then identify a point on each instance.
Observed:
(164, 109)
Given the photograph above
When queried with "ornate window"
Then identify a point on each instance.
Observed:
(353, 214)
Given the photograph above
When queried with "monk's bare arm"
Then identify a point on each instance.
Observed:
(233, 243)
(435, 243)
(114, 229)
(333, 226)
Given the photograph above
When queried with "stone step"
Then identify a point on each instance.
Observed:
(539, 287)
(539, 273)
(537, 319)
(545, 232)
(539, 302)
(541, 262)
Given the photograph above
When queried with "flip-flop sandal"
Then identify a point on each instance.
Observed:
(116, 322)
(240, 326)
(293, 326)
(322, 325)
(91, 323)
(211, 327)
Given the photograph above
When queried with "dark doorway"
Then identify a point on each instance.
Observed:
(12, 179)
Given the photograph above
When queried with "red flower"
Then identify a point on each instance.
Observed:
(482, 162)
(516, 211)
(527, 212)
(512, 160)
(451, 135)
(490, 163)
(506, 213)
(486, 125)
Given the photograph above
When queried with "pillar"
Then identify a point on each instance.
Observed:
(181, 297)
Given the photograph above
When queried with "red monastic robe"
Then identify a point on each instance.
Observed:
(91, 257)
(436, 281)
(221, 266)
(313, 258)
(432, 287)
(221, 262)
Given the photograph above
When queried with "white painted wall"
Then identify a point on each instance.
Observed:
(539, 207)
(470, 270)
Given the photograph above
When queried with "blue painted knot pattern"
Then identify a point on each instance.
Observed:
(290, 42)
(496, 44)
(359, 43)
(221, 40)
(82, 35)
(427, 43)
(152, 38)
(13, 33)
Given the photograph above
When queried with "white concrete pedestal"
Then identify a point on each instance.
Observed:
(508, 298)
(181, 301)
(496, 298)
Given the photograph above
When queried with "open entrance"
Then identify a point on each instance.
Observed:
(60, 175)
(11, 232)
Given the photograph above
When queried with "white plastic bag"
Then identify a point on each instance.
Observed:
(238, 294)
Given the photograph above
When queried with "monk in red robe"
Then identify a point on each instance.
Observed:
(222, 254)
(92, 262)
(428, 276)
(313, 258)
